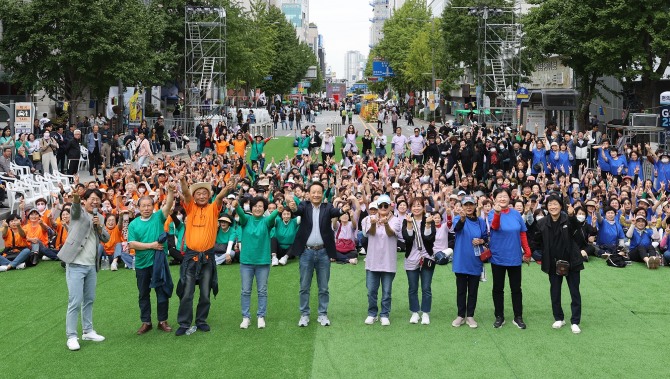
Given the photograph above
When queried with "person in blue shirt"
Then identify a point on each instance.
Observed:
(635, 167)
(641, 248)
(508, 240)
(471, 235)
(662, 168)
(539, 158)
(610, 233)
(618, 164)
(602, 152)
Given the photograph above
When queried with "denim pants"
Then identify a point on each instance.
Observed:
(144, 276)
(185, 313)
(372, 281)
(247, 273)
(81, 281)
(45, 251)
(413, 290)
(310, 261)
(23, 255)
(127, 259)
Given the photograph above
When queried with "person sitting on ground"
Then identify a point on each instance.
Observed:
(641, 248)
(345, 234)
(17, 248)
(610, 233)
(37, 233)
(117, 246)
(283, 236)
(226, 246)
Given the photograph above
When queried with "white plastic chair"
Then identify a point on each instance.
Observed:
(20, 171)
(84, 157)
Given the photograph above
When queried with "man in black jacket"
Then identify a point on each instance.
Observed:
(315, 246)
(560, 250)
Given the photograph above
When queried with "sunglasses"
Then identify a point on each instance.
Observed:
(383, 205)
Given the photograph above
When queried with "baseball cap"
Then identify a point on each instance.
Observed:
(373, 205)
(468, 200)
(384, 199)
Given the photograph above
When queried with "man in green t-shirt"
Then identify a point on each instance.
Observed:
(143, 234)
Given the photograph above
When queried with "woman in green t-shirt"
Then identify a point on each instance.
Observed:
(255, 256)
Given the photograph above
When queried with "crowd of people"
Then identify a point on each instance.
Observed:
(459, 194)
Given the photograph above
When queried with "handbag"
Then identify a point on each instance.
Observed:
(343, 245)
(485, 253)
(37, 156)
(562, 267)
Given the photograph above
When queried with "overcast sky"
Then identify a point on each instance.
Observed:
(345, 25)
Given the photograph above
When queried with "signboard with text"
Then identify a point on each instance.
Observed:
(665, 110)
(382, 69)
(23, 118)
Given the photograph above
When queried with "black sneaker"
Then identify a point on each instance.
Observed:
(203, 328)
(181, 331)
(518, 321)
(500, 321)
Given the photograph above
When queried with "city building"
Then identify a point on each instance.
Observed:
(437, 6)
(380, 13)
(354, 64)
(297, 13)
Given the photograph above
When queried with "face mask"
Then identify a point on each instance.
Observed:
(46, 135)
(180, 217)
(41, 208)
(246, 207)
(141, 190)
(665, 160)
(581, 218)
(538, 218)
(246, 188)
(501, 146)
(628, 151)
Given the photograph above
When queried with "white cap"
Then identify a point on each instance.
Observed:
(395, 185)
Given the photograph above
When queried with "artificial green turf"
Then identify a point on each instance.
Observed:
(624, 330)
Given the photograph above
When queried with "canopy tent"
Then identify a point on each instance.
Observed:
(475, 111)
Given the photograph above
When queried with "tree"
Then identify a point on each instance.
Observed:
(566, 28)
(77, 46)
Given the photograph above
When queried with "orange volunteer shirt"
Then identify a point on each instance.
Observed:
(201, 225)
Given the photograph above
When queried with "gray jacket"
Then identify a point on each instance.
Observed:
(80, 226)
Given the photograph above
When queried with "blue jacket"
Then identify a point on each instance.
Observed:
(465, 261)
(91, 143)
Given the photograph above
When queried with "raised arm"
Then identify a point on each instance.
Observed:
(169, 202)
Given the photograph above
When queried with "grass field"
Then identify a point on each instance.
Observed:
(624, 331)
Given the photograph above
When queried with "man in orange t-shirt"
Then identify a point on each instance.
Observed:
(198, 264)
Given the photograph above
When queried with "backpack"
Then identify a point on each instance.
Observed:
(616, 260)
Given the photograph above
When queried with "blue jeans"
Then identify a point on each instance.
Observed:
(398, 158)
(666, 256)
(380, 152)
(127, 259)
(23, 255)
(247, 273)
(43, 250)
(372, 281)
(310, 261)
(413, 291)
(81, 281)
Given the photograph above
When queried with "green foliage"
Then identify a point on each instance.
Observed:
(69, 48)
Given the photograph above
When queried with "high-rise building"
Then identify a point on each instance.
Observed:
(297, 13)
(246, 4)
(380, 13)
(354, 64)
(437, 6)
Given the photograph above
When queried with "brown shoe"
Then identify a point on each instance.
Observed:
(164, 326)
(144, 328)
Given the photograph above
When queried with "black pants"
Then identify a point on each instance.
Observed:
(417, 158)
(498, 292)
(278, 250)
(380, 124)
(555, 284)
(185, 314)
(61, 159)
(467, 287)
(344, 257)
(73, 166)
(639, 253)
(143, 276)
(94, 160)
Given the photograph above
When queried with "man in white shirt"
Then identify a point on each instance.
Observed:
(417, 144)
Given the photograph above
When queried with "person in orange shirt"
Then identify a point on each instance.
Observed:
(240, 144)
(61, 225)
(198, 264)
(37, 233)
(45, 214)
(222, 146)
(17, 249)
(117, 246)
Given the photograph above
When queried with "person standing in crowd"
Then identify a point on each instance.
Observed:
(419, 234)
(94, 146)
(417, 144)
(381, 260)
(198, 264)
(49, 149)
(255, 256)
(151, 265)
(508, 238)
(327, 145)
(61, 155)
(315, 246)
(471, 235)
(107, 137)
(80, 254)
(143, 153)
(73, 152)
(399, 144)
(561, 258)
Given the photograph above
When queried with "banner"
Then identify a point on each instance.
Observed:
(113, 99)
(23, 118)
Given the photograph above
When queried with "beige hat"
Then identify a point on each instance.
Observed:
(196, 186)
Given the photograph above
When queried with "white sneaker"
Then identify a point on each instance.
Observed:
(362, 252)
(370, 320)
(21, 266)
(304, 321)
(275, 261)
(92, 336)
(45, 258)
(385, 321)
(458, 322)
(114, 266)
(323, 320)
(425, 319)
(73, 344)
(4, 268)
(471, 322)
(245, 323)
(261, 323)
(283, 260)
(558, 324)
(575, 329)
(414, 319)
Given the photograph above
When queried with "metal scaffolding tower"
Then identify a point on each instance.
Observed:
(205, 59)
(499, 66)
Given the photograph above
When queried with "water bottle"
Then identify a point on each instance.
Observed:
(104, 265)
